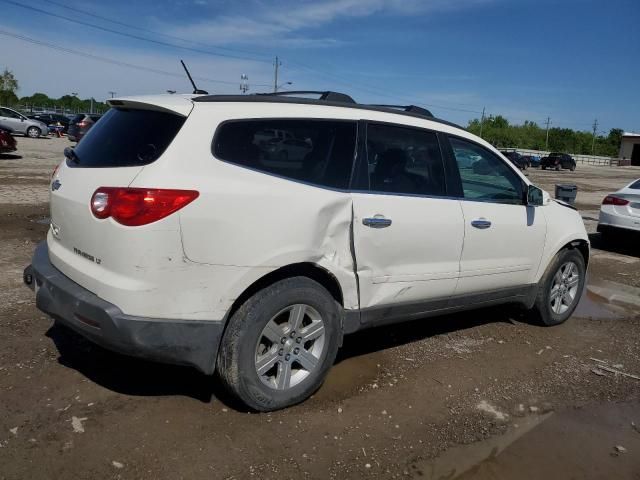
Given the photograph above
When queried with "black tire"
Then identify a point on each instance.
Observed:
(33, 132)
(573, 168)
(544, 168)
(558, 167)
(542, 310)
(236, 365)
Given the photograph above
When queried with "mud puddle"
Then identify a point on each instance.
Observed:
(349, 376)
(599, 302)
(595, 442)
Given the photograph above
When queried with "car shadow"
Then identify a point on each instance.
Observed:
(138, 377)
(623, 243)
(389, 336)
(10, 156)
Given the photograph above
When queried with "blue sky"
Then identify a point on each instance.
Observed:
(571, 60)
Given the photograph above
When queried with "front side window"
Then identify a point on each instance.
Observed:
(314, 151)
(485, 177)
(5, 112)
(404, 160)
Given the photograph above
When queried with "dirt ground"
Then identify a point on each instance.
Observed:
(482, 394)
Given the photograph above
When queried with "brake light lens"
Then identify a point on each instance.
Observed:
(613, 200)
(55, 170)
(138, 206)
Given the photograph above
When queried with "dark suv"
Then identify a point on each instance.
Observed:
(52, 119)
(517, 159)
(80, 125)
(558, 161)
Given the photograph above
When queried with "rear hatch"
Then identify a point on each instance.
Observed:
(90, 251)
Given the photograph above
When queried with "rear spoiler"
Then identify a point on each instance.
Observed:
(182, 105)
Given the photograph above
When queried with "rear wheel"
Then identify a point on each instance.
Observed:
(558, 167)
(560, 288)
(280, 344)
(33, 132)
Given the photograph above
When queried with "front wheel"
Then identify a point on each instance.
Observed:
(560, 288)
(33, 132)
(280, 344)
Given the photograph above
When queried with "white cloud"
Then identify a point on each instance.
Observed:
(293, 21)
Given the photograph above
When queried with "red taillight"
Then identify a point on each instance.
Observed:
(138, 206)
(613, 200)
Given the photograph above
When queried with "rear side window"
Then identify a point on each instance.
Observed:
(635, 185)
(314, 151)
(127, 138)
(404, 160)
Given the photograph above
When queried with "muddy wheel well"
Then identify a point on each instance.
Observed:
(310, 270)
(582, 246)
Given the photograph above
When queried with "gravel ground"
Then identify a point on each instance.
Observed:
(482, 394)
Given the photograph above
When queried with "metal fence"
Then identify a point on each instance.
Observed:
(36, 109)
(583, 159)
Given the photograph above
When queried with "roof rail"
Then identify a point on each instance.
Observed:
(408, 108)
(327, 96)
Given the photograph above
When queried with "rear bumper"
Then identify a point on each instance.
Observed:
(184, 342)
(608, 221)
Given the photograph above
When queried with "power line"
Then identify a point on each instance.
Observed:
(112, 61)
(130, 35)
(142, 29)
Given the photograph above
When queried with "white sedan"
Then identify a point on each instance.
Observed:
(621, 210)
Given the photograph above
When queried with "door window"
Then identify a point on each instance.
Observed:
(5, 112)
(485, 177)
(404, 161)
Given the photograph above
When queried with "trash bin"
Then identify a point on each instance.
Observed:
(567, 193)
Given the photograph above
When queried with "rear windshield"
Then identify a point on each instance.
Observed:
(635, 185)
(127, 138)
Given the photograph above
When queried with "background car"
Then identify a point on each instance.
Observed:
(558, 161)
(15, 122)
(7, 142)
(291, 149)
(80, 125)
(620, 211)
(52, 119)
(532, 160)
(517, 159)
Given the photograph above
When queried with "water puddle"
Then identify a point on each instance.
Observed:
(348, 376)
(595, 442)
(596, 306)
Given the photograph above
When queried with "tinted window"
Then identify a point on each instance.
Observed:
(127, 138)
(404, 160)
(635, 185)
(314, 151)
(484, 176)
(9, 113)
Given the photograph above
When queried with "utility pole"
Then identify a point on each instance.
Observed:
(546, 143)
(593, 143)
(244, 83)
(113, 94)
(481, 122)
(275, 81)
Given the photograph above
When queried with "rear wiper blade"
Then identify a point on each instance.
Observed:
(71, 154)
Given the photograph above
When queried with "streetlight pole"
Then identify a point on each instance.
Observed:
(275, 80)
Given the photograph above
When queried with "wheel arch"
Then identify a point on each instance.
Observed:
(304, 269)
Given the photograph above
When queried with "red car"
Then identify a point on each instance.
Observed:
(7, 142)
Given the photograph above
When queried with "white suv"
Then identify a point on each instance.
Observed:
(178, 237)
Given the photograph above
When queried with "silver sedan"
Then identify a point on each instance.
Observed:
(621, 210)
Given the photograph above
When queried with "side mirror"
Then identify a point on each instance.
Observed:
(536, 197)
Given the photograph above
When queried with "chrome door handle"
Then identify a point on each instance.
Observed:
(376, 222)
(481, 223)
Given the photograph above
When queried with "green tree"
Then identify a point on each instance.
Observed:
(8, 88)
